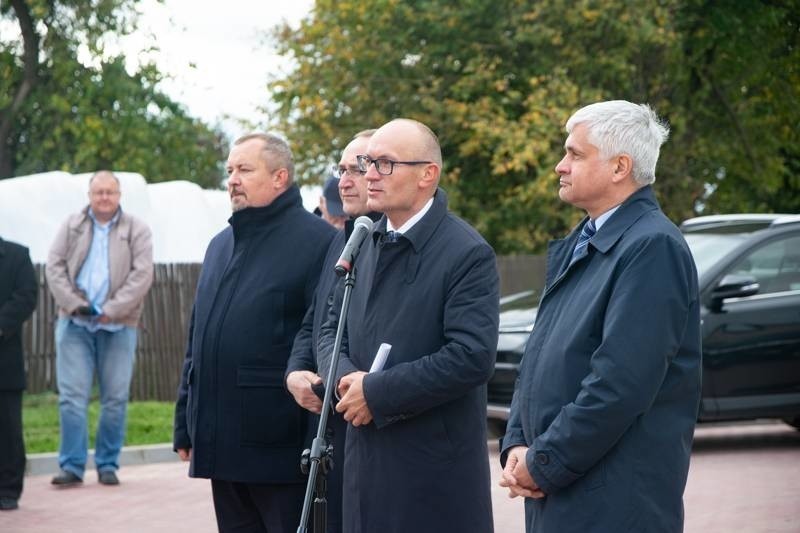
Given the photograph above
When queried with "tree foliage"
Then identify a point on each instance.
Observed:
(59, 112)
(497, 81)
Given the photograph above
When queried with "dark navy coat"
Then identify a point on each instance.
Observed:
(422, 464)
(304, 350)
(305, 356)
(609, 383)
(258, 278)
(18, 293)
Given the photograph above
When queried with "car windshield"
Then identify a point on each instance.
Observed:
(707, 248)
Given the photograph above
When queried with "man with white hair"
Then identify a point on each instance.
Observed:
(602, 418)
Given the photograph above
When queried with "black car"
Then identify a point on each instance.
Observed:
(749, 272)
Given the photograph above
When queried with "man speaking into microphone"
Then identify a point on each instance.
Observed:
(307, 365)
(416, 456)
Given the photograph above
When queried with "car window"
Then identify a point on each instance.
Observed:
(707, 248)
(776, 266)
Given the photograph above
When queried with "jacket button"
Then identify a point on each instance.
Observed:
(542, 458)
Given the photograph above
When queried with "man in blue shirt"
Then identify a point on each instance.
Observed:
(99, 270)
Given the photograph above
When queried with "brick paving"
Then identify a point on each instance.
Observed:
(152, 498)
(744, 477)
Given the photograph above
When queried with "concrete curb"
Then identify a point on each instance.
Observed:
(47, 463)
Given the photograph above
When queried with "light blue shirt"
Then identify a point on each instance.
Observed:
(605, 216)
(93, 278)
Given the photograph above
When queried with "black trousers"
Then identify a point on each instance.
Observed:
(12, 446)
(257, 508)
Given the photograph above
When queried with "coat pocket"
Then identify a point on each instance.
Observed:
(269, 415)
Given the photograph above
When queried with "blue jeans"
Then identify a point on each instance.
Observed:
(79, 353)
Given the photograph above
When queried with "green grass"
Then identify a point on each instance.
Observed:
(148, 422)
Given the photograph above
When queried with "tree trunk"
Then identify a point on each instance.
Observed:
(30, 62)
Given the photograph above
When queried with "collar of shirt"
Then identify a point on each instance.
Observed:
(93, 276)
(108, 224)
(411, 221)
(605, 216)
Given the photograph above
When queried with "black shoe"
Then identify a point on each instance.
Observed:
(8, 504)
(108, 477)
(66, 479)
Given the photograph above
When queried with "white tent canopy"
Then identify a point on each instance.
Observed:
(182, 216)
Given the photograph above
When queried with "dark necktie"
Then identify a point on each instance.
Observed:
(587, 232)
(392, 236)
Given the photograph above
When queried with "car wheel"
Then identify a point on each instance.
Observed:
(794, 422)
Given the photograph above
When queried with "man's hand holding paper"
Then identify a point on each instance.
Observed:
(351, 391)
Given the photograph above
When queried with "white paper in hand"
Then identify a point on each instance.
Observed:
(380, 358)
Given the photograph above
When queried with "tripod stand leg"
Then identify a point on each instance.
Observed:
(321, 506)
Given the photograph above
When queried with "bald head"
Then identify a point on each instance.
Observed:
(103, 174)
(412, 151)
(425, 144)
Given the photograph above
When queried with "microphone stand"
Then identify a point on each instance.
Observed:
(317, 461)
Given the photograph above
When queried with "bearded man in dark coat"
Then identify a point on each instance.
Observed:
(234, 420)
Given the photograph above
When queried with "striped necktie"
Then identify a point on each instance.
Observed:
(392, 236)
(587, 232)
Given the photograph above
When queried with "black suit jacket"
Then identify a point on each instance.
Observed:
(18, 291)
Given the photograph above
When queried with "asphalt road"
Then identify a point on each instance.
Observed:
(743, 477)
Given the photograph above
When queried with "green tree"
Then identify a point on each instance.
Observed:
(738, 81)
(61, 113)
(497, 80)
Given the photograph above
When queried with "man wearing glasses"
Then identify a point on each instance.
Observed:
(307, 366)
(416, 454)
(99, 270)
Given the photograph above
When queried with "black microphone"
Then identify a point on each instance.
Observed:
(361, 228)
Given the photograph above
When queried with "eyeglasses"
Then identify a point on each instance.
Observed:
(351, 170)
(382, 165)
(104, 192)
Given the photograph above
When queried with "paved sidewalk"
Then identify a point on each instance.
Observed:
(154, 498)
(742, 478)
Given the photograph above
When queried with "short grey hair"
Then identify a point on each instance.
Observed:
(103, 173)
(620, 127)
(276, 151)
